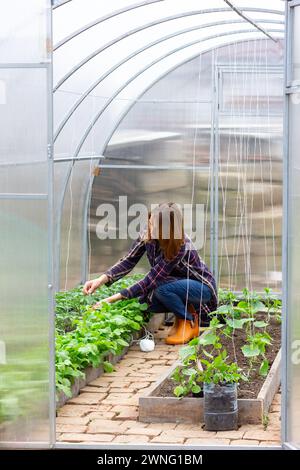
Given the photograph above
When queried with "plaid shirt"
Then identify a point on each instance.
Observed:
(186, 264)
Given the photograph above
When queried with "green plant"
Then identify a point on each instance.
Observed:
(219, 371)
(215, 369)
(265, 421)
(243, 315)
(226, 297)
(72, 304)
(255, 347)
(85, 337)
(234, 312)
(273, 304)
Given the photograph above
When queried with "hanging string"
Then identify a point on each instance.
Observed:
(270, 161)
(70, 224)
(241, 202)
(257, 123)
(89, 189)
(263, 210)
(69, 229)
(224, 188)
(193, 185)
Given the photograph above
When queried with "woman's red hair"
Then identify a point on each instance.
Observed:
(168, 228)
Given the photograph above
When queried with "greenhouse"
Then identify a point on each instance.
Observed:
(115, 115)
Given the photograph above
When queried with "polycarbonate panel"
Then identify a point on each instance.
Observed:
(158, 130)
(61, 171)
(131, 44)
(165, 127)
(23, 154)
(83, 12)
(296, 45)
(292, 230)
(26, 368)
(72, 223)
(106, 119)
(293, 279)
(249, 143)
(122, 188)
(23, 104)
(143, 30)
(270, 86)
(24, 361)
(23, 31)
(107, 93)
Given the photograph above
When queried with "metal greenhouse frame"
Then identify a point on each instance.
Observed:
(88, 74)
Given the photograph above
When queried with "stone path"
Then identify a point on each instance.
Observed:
(106, 411)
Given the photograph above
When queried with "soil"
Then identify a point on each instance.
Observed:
(251, 388)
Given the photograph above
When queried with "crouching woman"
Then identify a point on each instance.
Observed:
(178, 280)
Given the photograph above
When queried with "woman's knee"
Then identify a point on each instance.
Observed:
(206, 293)
(160, 292)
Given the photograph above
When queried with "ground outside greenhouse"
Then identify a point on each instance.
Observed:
(106, 411)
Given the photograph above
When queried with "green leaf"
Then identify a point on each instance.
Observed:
(179, 391)
(122, 342)
(194, 342)
(250, 350)
(264, 368)
(186, 352)
(225, 309)
(209, 338)
(107, 366)
(196, 389)
(190, 371)
(237, 323)
(260, 324)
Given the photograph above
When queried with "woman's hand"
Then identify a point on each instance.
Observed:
(90, 286)
(108, 300)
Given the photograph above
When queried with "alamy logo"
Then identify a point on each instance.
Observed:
(126, 222)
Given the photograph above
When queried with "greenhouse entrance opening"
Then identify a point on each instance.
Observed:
(127, 106)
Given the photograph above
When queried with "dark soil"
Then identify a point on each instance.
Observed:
(251, 388)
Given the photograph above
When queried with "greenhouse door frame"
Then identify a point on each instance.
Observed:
(291, 88)
(217, 75)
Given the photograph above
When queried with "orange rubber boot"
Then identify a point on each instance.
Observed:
(174, 327)
(191, 309)
(186, 330)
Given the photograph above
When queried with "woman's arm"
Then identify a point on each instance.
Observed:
(90, 286)
(110, 300)
(120, 269)
(155, 276)
(127, 262)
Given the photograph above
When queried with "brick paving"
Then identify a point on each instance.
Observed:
(106, 411)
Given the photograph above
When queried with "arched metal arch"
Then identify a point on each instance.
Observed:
(131, 104)
(102, 20)
(140, 72)
(60, 4)
(133, 54)
(134, 31)
(124, 10)
(117, 123)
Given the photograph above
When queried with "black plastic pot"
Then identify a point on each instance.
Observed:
(198, 395)
(220, 407)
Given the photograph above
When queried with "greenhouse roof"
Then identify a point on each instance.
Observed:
(113, 51)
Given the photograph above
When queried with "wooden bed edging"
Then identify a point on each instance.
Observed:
(154, 409)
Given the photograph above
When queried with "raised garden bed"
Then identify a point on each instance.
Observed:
(90, 341)
(254, 397)
(92, 373)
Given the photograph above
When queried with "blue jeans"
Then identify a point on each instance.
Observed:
(171, 297)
